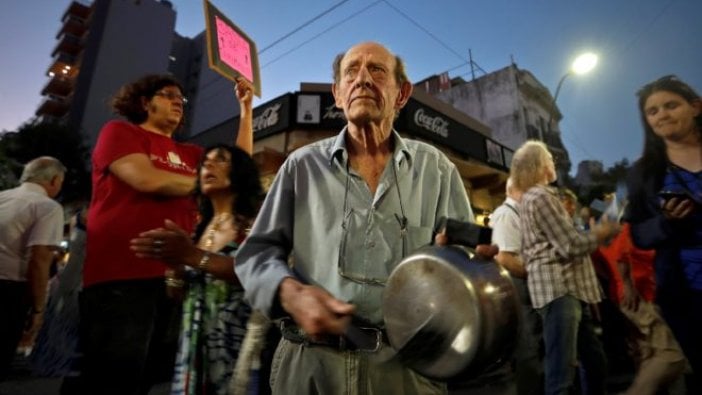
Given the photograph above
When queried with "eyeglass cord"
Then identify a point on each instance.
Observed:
(402, 220)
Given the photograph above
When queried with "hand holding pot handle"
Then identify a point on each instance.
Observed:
(315, 310)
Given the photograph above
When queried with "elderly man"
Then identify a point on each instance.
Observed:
(507, 235)
(560, 275)
(347, 210)
(31, 228)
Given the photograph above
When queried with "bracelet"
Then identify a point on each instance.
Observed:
(174, 282)
(36, 311)
(204, 261)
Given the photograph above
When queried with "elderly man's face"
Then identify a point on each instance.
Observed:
(367, 90)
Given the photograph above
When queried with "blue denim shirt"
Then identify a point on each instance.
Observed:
(303, 214)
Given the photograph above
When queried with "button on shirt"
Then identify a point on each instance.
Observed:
(557, 255)
(28, 217)
(303, 213)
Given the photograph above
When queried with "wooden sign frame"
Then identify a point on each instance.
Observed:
(234, 60)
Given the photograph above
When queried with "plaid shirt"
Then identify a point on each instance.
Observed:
(557, 255)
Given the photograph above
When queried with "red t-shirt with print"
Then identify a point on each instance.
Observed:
(119, 212)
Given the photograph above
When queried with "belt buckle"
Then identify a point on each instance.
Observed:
(378, 334)
(294, 333)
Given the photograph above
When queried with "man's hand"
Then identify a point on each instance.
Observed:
(31, 329)
(605, 229)
(315, 310)
(483, 251)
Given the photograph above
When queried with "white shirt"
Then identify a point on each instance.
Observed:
(505, 227)
(28, 217)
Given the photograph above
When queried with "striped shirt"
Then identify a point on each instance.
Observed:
(556, 254)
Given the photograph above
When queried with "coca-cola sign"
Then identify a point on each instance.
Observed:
(435, 124)
(269, 117)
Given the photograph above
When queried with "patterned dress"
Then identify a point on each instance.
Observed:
(213, 329)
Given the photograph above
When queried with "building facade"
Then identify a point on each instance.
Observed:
(299, 118)
(513, 103)
(96, 54)
(100, 47)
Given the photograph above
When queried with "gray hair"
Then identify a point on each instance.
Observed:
(42, 169)
(528, 164)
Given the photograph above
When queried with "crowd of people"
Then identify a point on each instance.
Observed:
(181, 264)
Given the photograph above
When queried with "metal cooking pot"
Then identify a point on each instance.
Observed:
(450, 316)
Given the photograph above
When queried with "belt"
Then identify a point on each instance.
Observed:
(356, 338)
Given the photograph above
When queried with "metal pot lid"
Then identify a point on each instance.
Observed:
(432, 312)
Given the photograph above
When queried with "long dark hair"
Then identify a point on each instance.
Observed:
(127, 102)
(654, 159)
(244, 183)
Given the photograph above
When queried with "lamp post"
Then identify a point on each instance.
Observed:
(581, 65)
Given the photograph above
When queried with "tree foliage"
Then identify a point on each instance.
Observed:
(32, 140)
(605, 182)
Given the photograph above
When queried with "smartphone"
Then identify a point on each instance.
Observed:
(466, 233)
(667, 195)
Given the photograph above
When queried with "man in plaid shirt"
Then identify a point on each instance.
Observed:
(561, 278)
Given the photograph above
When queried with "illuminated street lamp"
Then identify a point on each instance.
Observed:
(581, 65)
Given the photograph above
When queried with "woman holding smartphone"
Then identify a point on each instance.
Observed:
(665, 191)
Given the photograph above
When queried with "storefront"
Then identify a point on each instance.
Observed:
(296, 119)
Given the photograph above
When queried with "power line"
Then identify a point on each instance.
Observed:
(338, 24)
(647, 27)
(437, 39)
(302, 26)
(457, 66)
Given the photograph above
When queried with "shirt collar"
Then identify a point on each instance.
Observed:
(511, 201)
(339, 152)
(33, 187)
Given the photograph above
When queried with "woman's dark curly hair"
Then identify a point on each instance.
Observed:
(245, 184)
(128, 101)
(654, 159)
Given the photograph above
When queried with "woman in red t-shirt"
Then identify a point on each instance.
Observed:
(141, 176)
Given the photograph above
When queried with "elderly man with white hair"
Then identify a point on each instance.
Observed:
(31, 228)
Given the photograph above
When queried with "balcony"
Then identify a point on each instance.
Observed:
(69, 44)
(53, 106)
(63, 64)
(77, 9)
(73, 25)
(59, 85)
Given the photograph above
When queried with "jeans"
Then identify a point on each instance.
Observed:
(129, 333)
(569, 336)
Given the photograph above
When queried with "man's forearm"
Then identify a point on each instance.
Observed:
(512, 262)
(38, 276)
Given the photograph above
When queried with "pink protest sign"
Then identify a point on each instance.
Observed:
(230, 51)
(234, 50)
